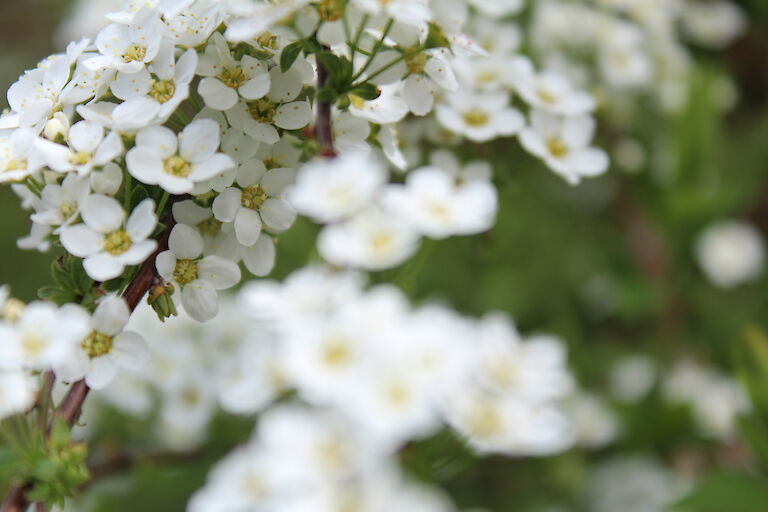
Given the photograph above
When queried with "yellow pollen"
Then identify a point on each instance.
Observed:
(382, 242)
(185, 272)
(485, 422)
(80, 158)
(336, 354)
(210, 226)
(416, 63)
(134, 53)
(254, 197)
(16, 165)
(331, 10)
(557, 148)
(162, 90)
(546, 96)
(263, 110)
(356, 101)
(117, 242)
(97, 344)
(476, 118)
(233, 77)
(267, 40)
(68, 209)
(177, 166)
(32, 345)
(270, 163)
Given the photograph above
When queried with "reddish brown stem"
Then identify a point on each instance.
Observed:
(324, 123)
(72, 404)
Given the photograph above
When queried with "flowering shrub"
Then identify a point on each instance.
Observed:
(168, 154)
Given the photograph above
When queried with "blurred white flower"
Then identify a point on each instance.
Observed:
(731, 253)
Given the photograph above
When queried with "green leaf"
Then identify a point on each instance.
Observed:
(366, 91)
(290, 54)
(727, 492)
(327, 95)
(436, 38)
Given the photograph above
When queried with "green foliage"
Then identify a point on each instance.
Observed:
(53, 464)
(72, 283)
(727, 492)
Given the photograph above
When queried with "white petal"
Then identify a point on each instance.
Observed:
(111, 315)
(142, 221)
(101, 371)
(81, 241)
(103, 267)
(293, 116)
(200, 300)
(110, 148)
(200, 140)
(138, 253)
(226, 204)
(159, 139)
(190, 213)
(277, 214)
(57, 157)
(209, 168)
(130, 351)
(86, 136)
(144, 164)
(257, 87)
(102, 213)
(247, 226)
(220, 272)
(260, 259)
(217, 95)
(165, 264)
(185, 242)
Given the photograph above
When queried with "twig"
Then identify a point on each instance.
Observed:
(324, 124)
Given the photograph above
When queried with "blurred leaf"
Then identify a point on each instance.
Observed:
(727, 492)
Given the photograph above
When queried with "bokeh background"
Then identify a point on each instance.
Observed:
(609, 266)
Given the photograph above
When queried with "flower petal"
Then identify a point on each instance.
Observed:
(247, 226)
(101, 371)
(102, 213)
(226, 204)
(185, 242)
(81, 241)
(217, 95)
(260, 259)
(142, 221)
(103, 266)
(111, 315)
(200, 300)
(221, 273)
(130, 351)
(277, 214)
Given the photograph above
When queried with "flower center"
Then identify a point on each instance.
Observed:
(32, 345)
(209, 226)
(177, 166)
(382, 242)
(97, 344)
(80, 158)
(162, 90)
(331, 10)
(254, 197)
(134, 53)
(68, 209)
(15, 165)
(270, 163)
(336, 354)
(185, 272)
(357, 101)
(485, 422)
(233, 77)
(117, 242)
(557, 148)
(416, 63)
(546, 96)
(263, 110)
(476, 118)
(267, 40)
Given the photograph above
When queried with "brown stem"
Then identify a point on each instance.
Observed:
(72, 404)
(324, 123)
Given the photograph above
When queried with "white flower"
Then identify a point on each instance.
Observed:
(87, 148)
(713, 24)
(480, 118)
(167, 86)
(350, 133)
(409, 12)
(128, 48)
(218, 238)
(497, 8)
(18, 392)
(193, 26)
(59, 205)
(107, 347)
(226, 79)
(279, 109)
(563, 144)
(36, 95)
(551, 92)
(174, 162)
(731, 253)
(434, 205)
(259, 18)
(330, 190)
(18, 156)
(256, 202)
(388, 108)
(197, 279)
(371, 240)
(106, 240)
(429, 70)
(43, 337)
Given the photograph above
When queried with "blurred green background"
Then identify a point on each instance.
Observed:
(609, 266)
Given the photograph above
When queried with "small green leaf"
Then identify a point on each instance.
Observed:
(366, 91)
(290, 54)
